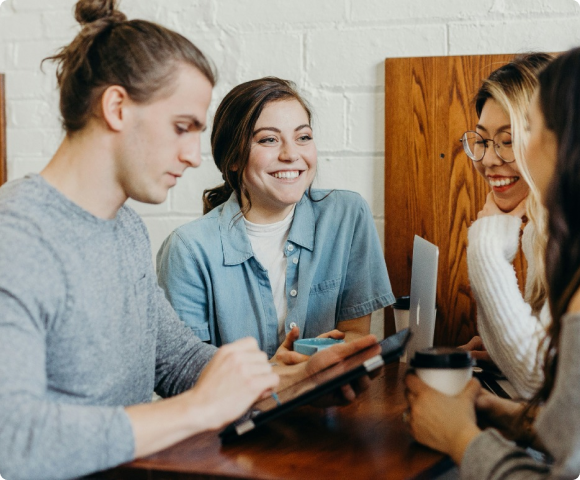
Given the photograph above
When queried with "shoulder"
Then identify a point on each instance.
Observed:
(343, 200)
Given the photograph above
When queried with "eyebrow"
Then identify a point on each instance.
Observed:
(500, 129)
(277, 130)
(193, 119)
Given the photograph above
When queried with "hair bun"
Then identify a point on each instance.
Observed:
(89, 11)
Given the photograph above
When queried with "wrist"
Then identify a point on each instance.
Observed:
(462, 441)
(199, 414)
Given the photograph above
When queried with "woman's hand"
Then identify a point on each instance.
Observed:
(285, 355)
(490, 208)
(477, 349)
(500, 413)
(442, 422)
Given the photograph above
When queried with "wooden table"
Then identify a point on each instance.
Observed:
(366, 439)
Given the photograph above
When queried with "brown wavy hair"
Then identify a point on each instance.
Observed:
(138, 55)
(559, 100)
(233, 127)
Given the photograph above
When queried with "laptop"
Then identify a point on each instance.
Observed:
(422, 307)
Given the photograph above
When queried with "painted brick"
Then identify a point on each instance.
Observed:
(159, 229)
(3, 56)
(28, 55)
(29, 142)
(271, 13)
(27, 5)
(270, 54)
(59, 24)
(363, 175)
(538, 6)
(31, 84)
(328, 120)
(20, 167)
(21, 26)
(186, 196)
(32, 114)
(354, 58)
(514, 37)
(389, 10)
(366, 122)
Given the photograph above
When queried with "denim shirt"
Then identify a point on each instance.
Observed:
(335, 271)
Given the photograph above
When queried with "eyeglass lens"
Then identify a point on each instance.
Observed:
(474, 145)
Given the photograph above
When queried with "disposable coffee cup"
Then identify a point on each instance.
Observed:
(401, 311)
(445, 369)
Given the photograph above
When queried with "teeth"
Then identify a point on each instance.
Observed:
(286, 174)
(503, 182)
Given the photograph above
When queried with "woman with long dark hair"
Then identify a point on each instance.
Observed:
(273, 258)
(551, 421)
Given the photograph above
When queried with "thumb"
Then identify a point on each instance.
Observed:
(291, 337)
(472, 389)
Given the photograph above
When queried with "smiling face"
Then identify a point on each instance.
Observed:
(506, 183)
(163, 138)
(282, 161)
(542, 148)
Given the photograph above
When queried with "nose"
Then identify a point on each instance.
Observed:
(490, 158)
(190, 153)
(289, 153)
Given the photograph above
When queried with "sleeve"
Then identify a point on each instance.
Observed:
(492, 457)
(185, 287)
(40, 437)
(508, 328)
(181, 355)
(367, 286)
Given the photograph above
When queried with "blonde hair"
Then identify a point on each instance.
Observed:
(512, 87)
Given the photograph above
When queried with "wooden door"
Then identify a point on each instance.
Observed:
(3, 169)
(431, 187)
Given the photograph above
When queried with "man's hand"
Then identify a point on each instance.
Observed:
(237, 375)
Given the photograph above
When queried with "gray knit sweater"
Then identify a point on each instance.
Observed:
(490, 456)
(84, 331)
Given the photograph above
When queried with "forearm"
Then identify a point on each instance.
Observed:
(355, 328)
(159, 425)
(506, 324)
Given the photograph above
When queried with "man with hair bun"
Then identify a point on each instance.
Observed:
(86, 334)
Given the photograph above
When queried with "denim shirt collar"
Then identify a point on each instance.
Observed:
(236, 243)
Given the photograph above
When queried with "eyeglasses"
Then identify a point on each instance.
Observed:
(475, 145)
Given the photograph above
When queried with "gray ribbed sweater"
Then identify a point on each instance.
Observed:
(84, 331)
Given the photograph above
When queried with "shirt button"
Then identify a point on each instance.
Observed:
(294, 261)
(292, 325)
(290, 248)
(293, 293)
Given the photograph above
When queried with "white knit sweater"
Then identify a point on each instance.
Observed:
(510, 331)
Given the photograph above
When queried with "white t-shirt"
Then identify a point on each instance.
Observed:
(268, 243)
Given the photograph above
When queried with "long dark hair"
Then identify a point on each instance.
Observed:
(233, 127)
(559, 99)
(138, 55)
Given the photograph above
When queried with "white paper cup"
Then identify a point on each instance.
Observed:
(445, 369)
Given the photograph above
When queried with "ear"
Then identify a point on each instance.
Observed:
(114, 101)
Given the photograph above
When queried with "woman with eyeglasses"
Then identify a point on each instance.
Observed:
(510, 325)
(551, 421)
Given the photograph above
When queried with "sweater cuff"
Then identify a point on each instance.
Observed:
(487, 234)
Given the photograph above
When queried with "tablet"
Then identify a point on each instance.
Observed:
(310, 388)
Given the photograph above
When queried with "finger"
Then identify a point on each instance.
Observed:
(291, 337)
(472, 389)
(480, 354)
(246, 343)
(415, 385)
(336, 334)
(348, 393)
(290, 357)
(350, 348)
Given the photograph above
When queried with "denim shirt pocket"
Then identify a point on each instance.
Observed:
(322, 307)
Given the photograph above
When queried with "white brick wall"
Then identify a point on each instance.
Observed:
(333, 49)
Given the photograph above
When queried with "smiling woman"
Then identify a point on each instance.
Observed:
(273, 258)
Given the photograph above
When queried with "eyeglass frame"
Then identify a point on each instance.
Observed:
(485, 141)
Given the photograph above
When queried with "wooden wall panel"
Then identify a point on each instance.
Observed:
(431, 187)
(3, 160)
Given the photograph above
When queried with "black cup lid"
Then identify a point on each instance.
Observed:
(402, 303)
(442, 357)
